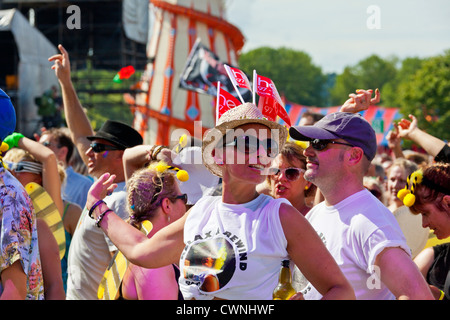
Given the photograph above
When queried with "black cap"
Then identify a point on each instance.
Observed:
(118, 133)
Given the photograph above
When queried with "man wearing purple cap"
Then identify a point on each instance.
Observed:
(358, 230)
(20, 265)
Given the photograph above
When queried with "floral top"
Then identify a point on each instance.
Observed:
(18, 237)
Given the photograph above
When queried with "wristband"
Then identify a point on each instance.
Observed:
(151, 151)
(91, 211)
(13, 139)
(100, 217)
(441, 297)
(155, 153)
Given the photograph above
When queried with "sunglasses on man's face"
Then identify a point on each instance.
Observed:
(251, 144)
(319, 145)
(291, 174)
(100, 147)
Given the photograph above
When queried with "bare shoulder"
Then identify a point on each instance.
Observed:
(294, 224)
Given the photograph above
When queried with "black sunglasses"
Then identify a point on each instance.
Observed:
(48, 144)
(100, 147)
(251, 144)
(183, 197)
(319, 145)
(291, 174)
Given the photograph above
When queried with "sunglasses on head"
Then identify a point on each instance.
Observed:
(49, 144)
(319, 144)
(183, 197)
(25, 166)
(100, 147)
(251, 144)
(291, 174)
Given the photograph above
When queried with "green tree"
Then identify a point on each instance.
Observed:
(370, 73)
(427, 96)
(390, 91)
(292, 71)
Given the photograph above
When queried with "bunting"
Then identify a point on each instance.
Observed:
(381, 118)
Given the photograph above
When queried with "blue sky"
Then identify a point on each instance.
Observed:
(335, 33)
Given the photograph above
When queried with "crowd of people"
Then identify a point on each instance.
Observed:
(214, 219)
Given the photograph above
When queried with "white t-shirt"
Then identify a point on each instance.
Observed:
(90, 250)
(355, 231)
(232, 251)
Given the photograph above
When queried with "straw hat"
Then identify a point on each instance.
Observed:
(243, 114)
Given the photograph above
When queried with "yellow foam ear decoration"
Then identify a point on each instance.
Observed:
(417, 176)
(182, 142)
(182, 175)
(161, 167)
(402, 194)
(409, 200)
(4, 147)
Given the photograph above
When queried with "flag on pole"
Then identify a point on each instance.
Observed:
(203, 70)
(238, 79)
(124, 73)
(225, 101)
(270, 102)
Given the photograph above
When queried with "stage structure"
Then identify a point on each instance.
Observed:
(175, 26)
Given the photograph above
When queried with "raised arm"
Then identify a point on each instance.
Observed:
(136, 157)
(360, 101)
(394, 142)
(409, 130)
(50, 175)
(161, 249)
(76, 118)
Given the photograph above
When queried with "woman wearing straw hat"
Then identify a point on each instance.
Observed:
(231, 247)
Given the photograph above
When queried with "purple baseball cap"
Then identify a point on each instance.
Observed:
(351, 127)
(7, 116)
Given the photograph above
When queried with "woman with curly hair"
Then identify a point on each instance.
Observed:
(428, 193)
(153, 195)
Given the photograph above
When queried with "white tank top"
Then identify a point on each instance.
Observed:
(232, 251)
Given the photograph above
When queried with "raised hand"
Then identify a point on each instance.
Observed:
(101, 188)
(61, 64)
(405, 127)
(360, 101)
